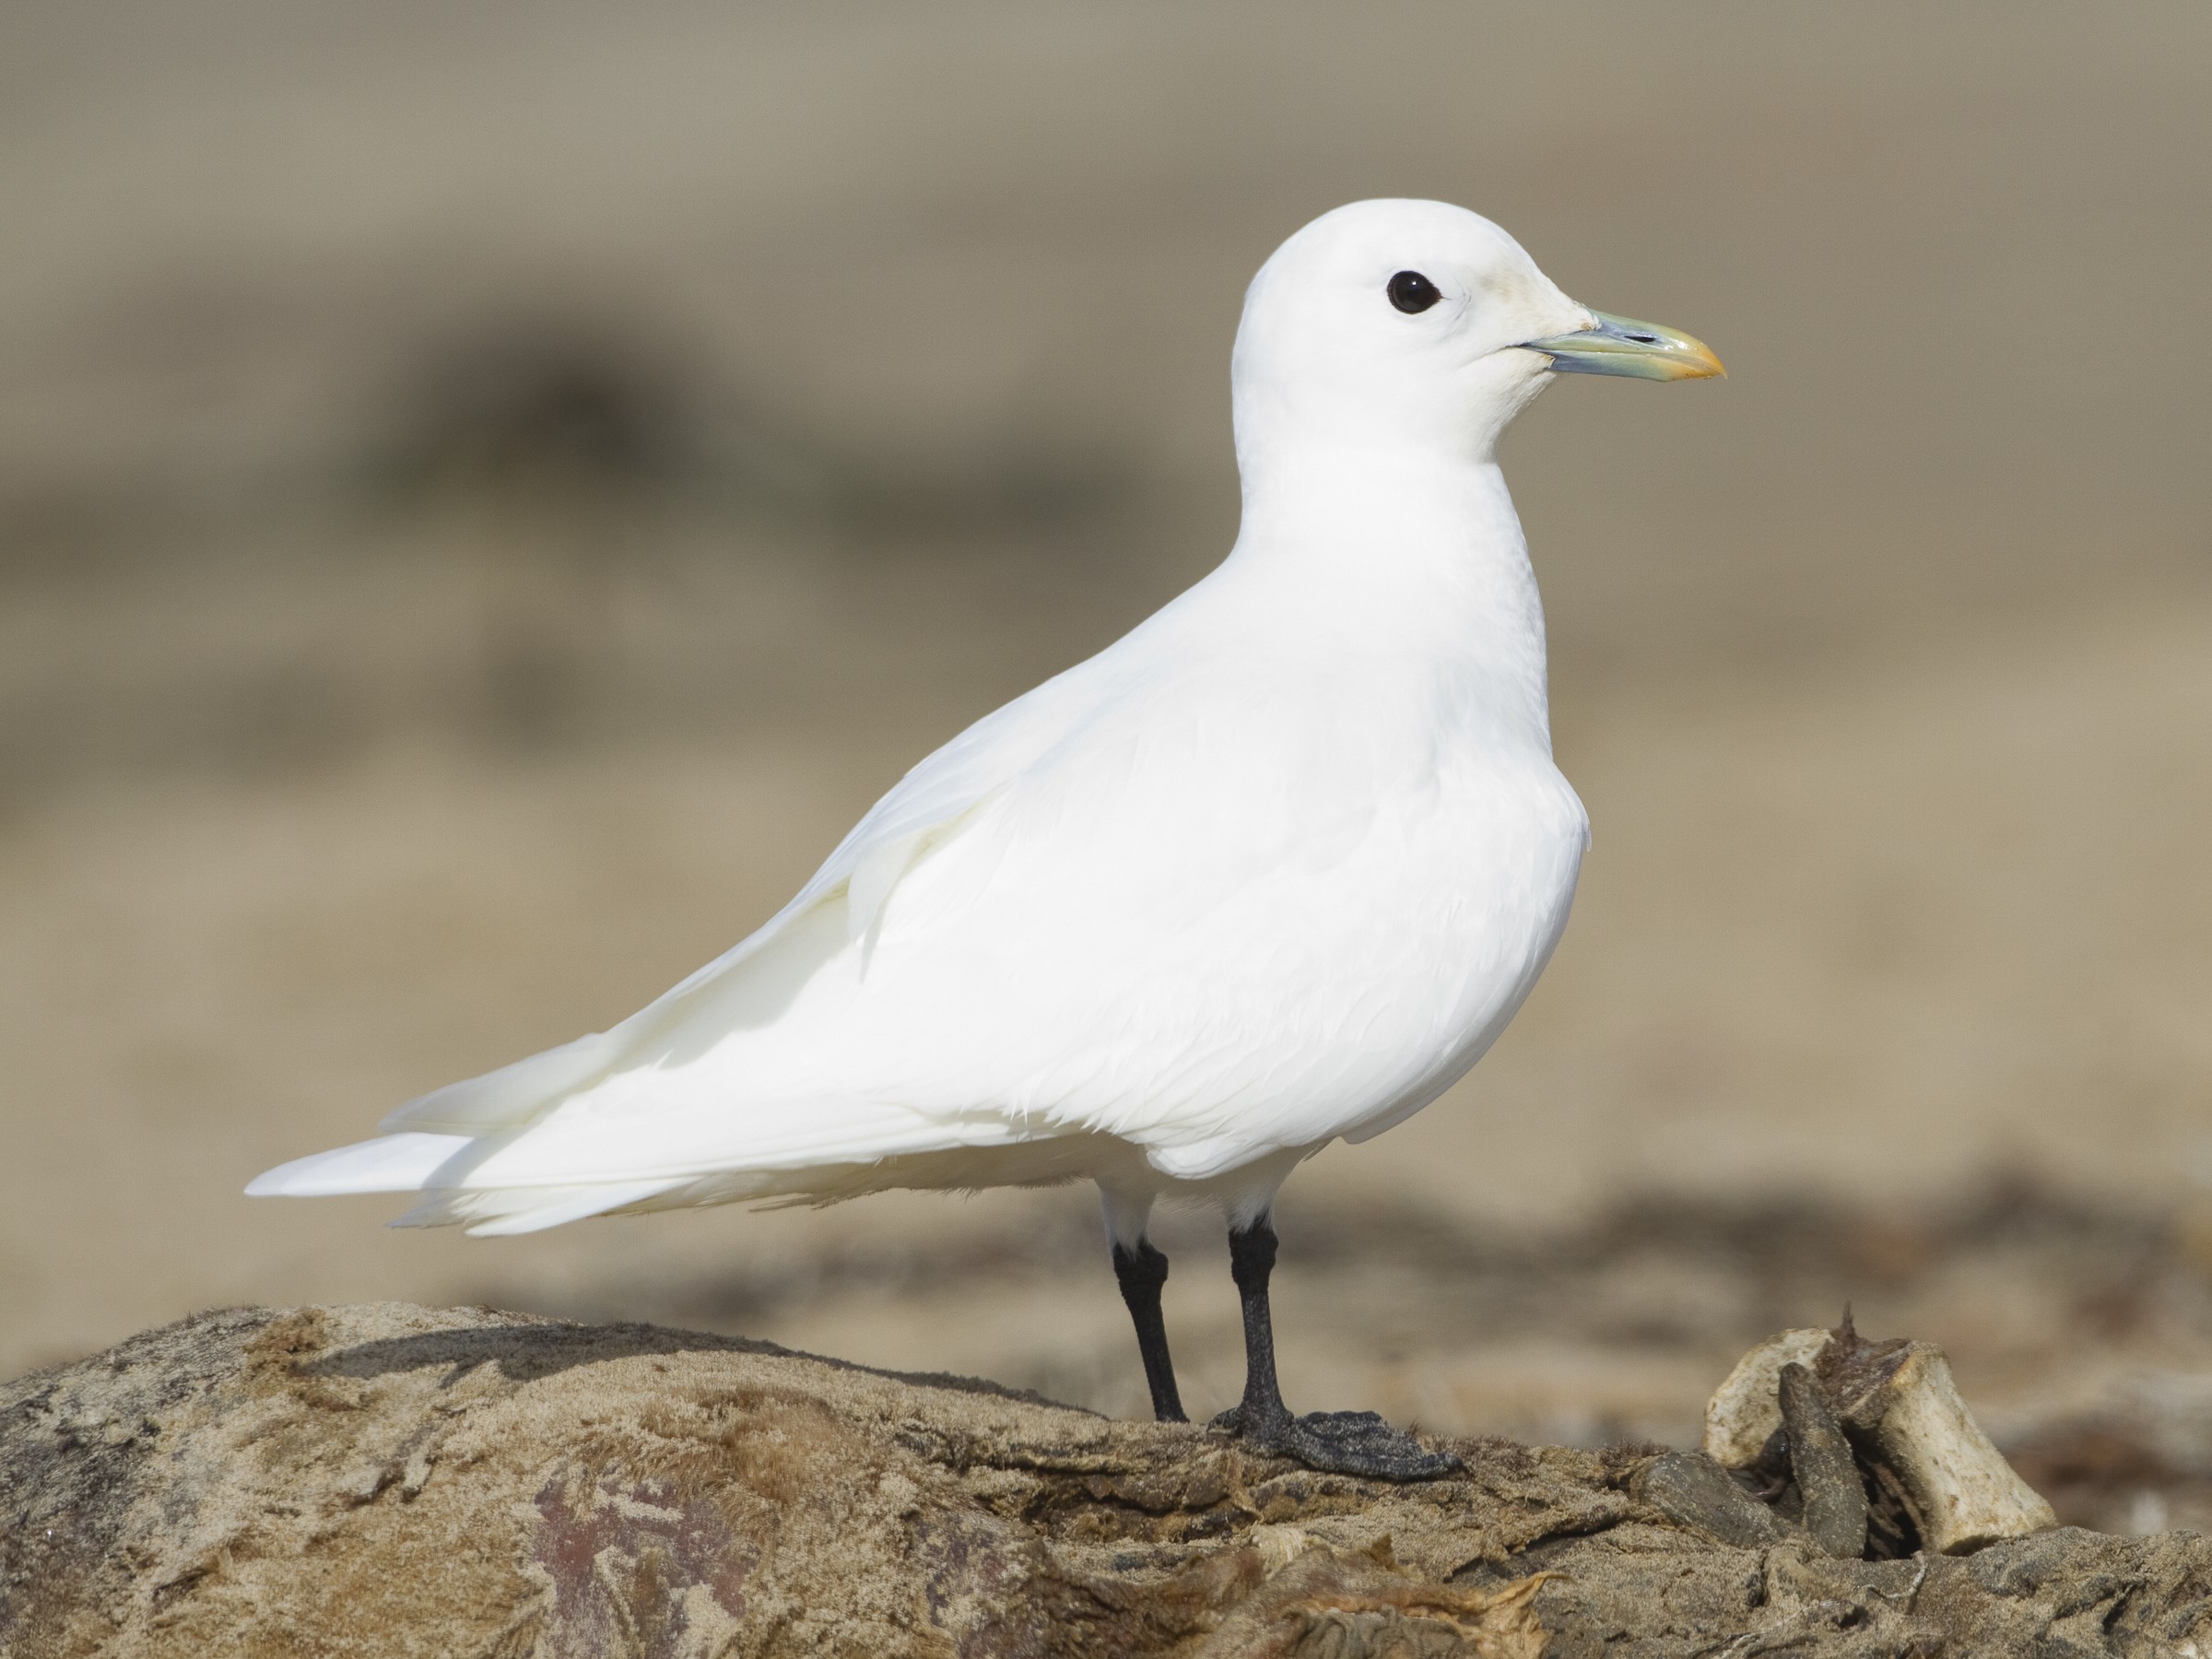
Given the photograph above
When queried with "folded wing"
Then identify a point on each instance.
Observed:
(437, 1141)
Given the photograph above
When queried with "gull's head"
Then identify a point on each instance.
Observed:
(1412, 325)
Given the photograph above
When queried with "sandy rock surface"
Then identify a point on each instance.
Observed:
(390, 1479)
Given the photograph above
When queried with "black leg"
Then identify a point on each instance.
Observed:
(1251, 1263)
(1344, 1442)
(1142, 1272)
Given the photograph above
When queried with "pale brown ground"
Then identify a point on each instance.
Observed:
(364, 726)
(459, 1480)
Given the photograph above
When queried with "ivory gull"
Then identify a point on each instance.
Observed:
(1271, 871)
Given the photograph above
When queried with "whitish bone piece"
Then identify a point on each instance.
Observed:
(1911, 1417)
(1746, 1411)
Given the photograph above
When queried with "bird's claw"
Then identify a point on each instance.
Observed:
(1341, 1443)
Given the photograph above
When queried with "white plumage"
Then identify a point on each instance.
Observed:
(1273, 870)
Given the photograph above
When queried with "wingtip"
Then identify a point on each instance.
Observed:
(390, 1163)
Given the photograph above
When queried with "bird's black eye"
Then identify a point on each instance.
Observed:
(1410, 291)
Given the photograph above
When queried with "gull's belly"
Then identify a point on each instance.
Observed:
(1236, 983)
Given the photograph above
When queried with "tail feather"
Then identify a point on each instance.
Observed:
(502, 1212)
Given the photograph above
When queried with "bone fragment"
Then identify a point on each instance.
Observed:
(1747, 1410)
(1827, 1474)
(1905, 1412)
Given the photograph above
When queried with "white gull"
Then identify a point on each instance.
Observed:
(1271, 871)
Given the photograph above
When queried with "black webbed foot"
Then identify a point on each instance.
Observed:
(1342, 1442)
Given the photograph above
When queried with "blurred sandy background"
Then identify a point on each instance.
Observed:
(489, 493)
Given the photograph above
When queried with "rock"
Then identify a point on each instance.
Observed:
(1821, 1462)
(391, 1481)
(1690, 1488)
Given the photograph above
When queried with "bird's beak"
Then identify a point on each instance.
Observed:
(1622, 346)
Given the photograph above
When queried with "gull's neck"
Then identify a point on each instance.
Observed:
(1398, 563)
